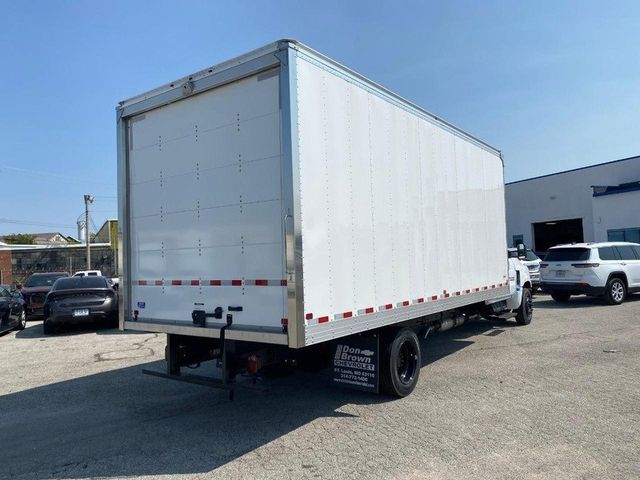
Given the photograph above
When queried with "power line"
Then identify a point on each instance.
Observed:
(35, 224)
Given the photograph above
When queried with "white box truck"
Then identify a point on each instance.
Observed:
(280, 206)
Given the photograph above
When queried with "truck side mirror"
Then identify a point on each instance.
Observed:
(522, 251)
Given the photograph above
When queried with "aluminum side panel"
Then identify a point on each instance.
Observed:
(394, 208)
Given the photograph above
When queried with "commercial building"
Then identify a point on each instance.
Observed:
(590, 204)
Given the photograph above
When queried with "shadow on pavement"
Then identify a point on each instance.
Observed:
(446, 343)
(123, 423)
(578, 301)
(36, 331)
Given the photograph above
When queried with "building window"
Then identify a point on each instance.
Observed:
(624, 235)
(517, 240)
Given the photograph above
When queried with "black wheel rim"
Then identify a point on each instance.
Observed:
(407, 363)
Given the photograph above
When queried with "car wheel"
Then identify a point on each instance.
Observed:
(561, 297)
(524, 314)
(616, 291)
(401, 362)
(22, 321)
(47, 326)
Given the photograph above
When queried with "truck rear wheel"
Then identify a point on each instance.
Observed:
(401, 362)
(525, 310)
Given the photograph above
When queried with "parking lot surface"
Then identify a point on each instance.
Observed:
(559, 398)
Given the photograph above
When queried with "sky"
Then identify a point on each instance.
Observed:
(555, 85)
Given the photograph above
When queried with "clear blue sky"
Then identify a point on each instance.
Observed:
(555, 85)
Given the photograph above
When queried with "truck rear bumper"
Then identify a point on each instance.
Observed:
(272, 336)
(573, 288)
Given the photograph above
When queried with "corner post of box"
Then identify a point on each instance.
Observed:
(291, 193)
(124, 272)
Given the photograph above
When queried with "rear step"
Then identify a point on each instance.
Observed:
(206, 382)
(502, 316)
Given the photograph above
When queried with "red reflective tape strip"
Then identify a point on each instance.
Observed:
(457, 293)
(308, 316)
(364, 311)
(236, 283)
(262, 283)
(446, 295)
(493, 286)
(284, 321)
(388, 306)
(405, 303)
(347, 314)
(195, 283)
(420, 300)
(467, 291)
(477, 289)
(158, 283)
(434, 297)
(485, 288)
(323, 319)
(215, 283)
(142, 282)
(176, 282)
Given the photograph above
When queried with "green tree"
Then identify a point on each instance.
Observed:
(19, 239)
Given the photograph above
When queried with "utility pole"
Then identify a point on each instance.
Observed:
(87, 200)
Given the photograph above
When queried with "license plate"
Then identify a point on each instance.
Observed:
(81, 312)
(561, 273)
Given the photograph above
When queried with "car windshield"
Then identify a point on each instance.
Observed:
(567, 254)
(529, 256)
(43, 280)
(80, 282)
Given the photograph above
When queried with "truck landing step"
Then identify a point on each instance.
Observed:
(206, 382)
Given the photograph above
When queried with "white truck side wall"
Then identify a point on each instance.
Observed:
(394, 208)
(205, 205)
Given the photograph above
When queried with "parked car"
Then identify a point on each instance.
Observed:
(80, 300)
(35, 289)
(12, 311)
(88, 273)
(608, 269)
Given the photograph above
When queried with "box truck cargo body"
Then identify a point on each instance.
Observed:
(303, 200)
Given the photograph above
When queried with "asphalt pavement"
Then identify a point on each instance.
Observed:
(559, 398)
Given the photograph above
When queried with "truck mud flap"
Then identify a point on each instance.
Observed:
(355, 362)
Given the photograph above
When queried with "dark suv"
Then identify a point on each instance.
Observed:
(35, 291)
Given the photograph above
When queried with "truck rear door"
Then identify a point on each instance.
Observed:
(205, 206)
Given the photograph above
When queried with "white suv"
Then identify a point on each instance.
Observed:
(609, 269)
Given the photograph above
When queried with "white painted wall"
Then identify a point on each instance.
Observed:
(620, 210)
(563, 196)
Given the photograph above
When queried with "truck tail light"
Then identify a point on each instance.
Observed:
(585, 265)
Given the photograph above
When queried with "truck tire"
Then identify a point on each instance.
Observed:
(400, 363)
(524, 314)
(616, 291)
(561, 297)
